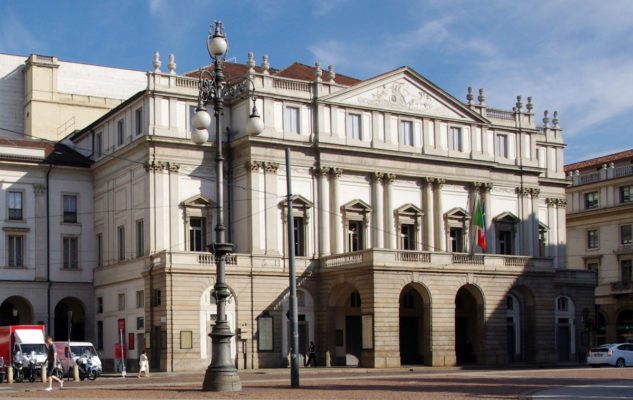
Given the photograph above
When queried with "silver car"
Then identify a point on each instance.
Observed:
(619, 355)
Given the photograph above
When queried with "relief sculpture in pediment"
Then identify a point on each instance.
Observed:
(398, 95)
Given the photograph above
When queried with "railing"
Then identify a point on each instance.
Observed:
(468, 259)
(500, 114)
(186, 82)
(413, 257)
(621, 286)
(588, 178)
(289, 84)
(516, 261)
(353, 258)
(623, 170)
(209, 259)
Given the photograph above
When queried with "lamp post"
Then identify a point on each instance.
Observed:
(221, 374)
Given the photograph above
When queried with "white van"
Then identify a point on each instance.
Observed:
(68, 356)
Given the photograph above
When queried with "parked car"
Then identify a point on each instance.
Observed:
(619, 355)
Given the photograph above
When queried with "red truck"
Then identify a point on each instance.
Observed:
(22, 346)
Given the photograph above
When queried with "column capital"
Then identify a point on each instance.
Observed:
(377, 176)
(522, 191)
(476, 185)
(39, 189)
(428, 180)
(254, 165)
(336, 172)
(439, 182)
(154, 166)
(534, 192)
(388, 177)
(271, 167)
(556, 202)
(173, 167)
(321, 171)
(486, 186)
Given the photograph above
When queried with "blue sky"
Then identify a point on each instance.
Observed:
(572, 56)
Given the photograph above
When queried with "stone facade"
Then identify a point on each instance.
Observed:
(599, 220)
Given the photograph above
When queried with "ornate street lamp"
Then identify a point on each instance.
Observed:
(221, 374)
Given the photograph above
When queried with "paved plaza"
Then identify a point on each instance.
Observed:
(402, 383)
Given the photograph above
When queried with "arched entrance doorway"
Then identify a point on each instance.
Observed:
(415, 325)
(305, 311)
(520, 321)
(469, 324)
(16, 310)
(346, 321)
(565, 332)
(624, 326)
(208, 315)
(70, 317)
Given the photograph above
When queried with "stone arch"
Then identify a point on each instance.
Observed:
(345, 324)
(469, 324)
(524, 319)
(208, 314)
(307, 322)
(564, 312)
(415, 324)
(70, 318)
(16, 310)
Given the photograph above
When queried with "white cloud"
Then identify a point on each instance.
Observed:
(15, 36)
(156, 6)
(323, 7)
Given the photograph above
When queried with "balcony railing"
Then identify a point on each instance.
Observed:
(606, 172)
(500, 114)
(621, 286)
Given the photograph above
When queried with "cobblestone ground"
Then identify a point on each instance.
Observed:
(416, 383)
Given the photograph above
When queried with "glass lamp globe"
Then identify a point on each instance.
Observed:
(217, 45)
(201, 119)
(200, 136)
(255, 125)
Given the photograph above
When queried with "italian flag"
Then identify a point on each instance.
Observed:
(479, 222)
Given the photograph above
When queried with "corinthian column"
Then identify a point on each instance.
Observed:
(390, 236)
(440, 237)
(377, 218)
(321, 174)
(491, 243)
(337, 224)
(429, 220)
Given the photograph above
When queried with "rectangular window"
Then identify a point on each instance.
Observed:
(157, 297)
(456, 139)
(593, 239)
(140, 236)
(71, 253)
(593, 267)
(192, 112)
(99, 305)
(299, 234)
(353, 126)
(99, 144)
(121, 301)
(99, 250)
(456, 236)
(626, 194)
(138, 121)
(625, 270)
(591, 200)
(140, 323)
(121, 242)
(140, 298)
(504, 242)
(355, 239)
(70, 208)
(120, 133)
(99, 335)
(16, 250)
(625, 234)
(196, 234)
(502, 146)
(407, 237)
(16, 206)
(292, 119)
(406, 133)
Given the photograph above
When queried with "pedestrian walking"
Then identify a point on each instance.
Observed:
(51, 358)
(311, 355)
(143, 365)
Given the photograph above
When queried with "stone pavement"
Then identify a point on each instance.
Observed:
(338, 383)
(603, 391)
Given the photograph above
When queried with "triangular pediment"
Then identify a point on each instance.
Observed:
(356, 205)
(297, 201)
(405, 91)
(457, 213)
(506, 217)
(198, 200)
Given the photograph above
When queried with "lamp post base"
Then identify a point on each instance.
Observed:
(221, 380)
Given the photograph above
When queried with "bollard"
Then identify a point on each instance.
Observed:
(10, 374)
(44, 368)
(75, 372)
